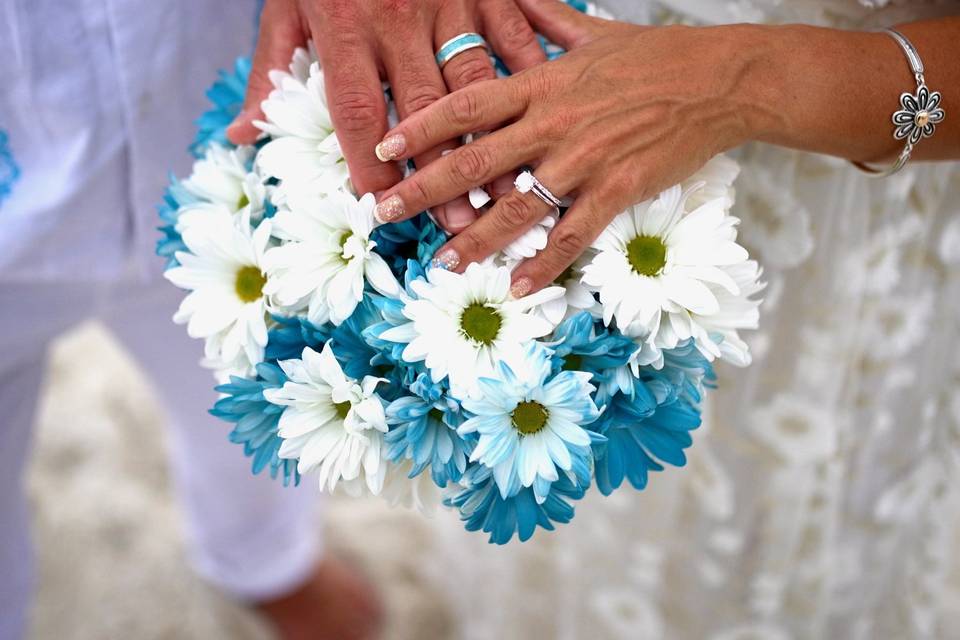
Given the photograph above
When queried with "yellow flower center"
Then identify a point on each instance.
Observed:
(343, 408)
(647, 255)
(249, 283)
(529, 417)
(243, 201)
(481, 323)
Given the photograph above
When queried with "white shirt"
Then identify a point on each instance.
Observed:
(98, 101)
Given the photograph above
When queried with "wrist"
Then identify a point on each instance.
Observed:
(760, 90)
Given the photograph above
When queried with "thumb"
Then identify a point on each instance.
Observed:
(560, 23)
(280, 35)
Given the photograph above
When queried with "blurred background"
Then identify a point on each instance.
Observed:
(108, 530)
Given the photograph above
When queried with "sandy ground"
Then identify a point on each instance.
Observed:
(123, 574)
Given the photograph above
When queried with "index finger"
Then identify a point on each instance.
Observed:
(482, 106)
(358, 108)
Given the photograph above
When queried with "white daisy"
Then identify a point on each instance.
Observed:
(714, 180)
(304, 153)
(657, 263)
(576, 296)
(325, 257)
(331, 422)
(222, 177)
(533, 239)
(461, 325)
(226, 304)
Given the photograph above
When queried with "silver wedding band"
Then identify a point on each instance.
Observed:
(526, 182)
(457, 45)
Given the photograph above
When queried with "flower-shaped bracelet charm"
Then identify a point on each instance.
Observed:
(919, 115)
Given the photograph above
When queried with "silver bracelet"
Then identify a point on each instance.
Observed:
(918, 115)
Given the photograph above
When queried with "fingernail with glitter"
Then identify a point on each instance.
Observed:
(521, 287)
(390, 209)
(391, 148)
(448, 259)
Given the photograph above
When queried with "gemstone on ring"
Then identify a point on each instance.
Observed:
(526, 182)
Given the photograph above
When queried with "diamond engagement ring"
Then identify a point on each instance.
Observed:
(457, 45)
(526, 182)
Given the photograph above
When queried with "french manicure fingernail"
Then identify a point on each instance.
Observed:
(521, 287)
(389, 210)
(391, 148)
(448, 259)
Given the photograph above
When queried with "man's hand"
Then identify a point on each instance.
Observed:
(362, 42)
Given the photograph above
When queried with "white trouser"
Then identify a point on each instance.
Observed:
(247, 534)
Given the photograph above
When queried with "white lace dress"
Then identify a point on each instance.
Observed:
(822, 497)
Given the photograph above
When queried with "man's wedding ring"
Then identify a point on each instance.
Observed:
(457, 45)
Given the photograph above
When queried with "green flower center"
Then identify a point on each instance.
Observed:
(572, 362)
(249, 283)
(568, 274)
(436, 414)
(344, 237)
(529, 417)
(343, 408)
(647, 255)
(243, 201)
(481, 323)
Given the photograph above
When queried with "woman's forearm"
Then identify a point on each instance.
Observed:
(832, 91)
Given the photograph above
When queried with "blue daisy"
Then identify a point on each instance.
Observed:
(175, 197)
(642, 430)
(584, 344)
(483, 508)
(418, 239)
(531, 423)
(423, 430)
(227, 95)
(256, 421)
(288, 337)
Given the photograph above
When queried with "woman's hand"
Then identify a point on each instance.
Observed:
(628, 112)
(361, 41)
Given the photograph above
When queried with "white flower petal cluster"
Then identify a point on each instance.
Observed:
(670, 269)
(223, 176)
(223, 271)
(332, 424)
(462, 325)
(304, 153)
(325, 257)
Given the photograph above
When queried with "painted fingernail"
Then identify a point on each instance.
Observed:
(390, 209)
(391, 147)
(521, 287)
(503, 185)
(460, 215)
(448, 259)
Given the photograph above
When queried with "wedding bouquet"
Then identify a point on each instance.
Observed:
(342, 353)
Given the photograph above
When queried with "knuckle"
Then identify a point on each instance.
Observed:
(357, 110)
(567, 242)
(471, 163)
(514, 211)
(469, 70)
(464, 108)
(397, 7)
(420, 97)
(419, 191)
(516, 33)
(472, 243)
